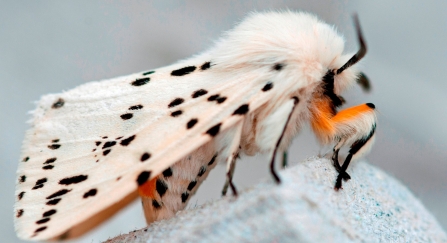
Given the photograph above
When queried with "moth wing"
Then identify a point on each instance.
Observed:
(88, 148)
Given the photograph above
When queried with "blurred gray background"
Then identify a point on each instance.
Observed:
(49, 46)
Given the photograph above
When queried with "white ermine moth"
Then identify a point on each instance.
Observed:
(91, 149)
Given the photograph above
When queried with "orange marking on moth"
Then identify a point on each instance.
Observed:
(148, 188)
(351, 113)
(324, 121)
(321, 117)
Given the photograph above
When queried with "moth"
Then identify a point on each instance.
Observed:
(158, 133)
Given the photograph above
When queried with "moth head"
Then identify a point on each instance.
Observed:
(344, 76)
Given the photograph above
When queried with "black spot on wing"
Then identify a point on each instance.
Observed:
(212, 160)
(242, 110)
(40, 229)
(53, 202)
(73, 180)
(42, 221)
(213, 131)
(155, 204)
(109, 144)
(98, 143)
(185, 196)
(106, 152)
(147, 73)
(22, 178)
(145, 157)
(39, 183)
(213, 97)
(126, 116)
(267, 87)
(105, 137)
(55, 140)
(50, 160)
(58, 193)
(118, 138)
(90, 193)
(191, 123)
(183, 71)
(199, 93)
(191, 185)
(37, 186)
(58, 104)
(20, 196)
(202, 171)
(25, 159)
(205, 66)
(127, 141)
(141, 81)
(49, 213)
(176, 102)
(54, 146)
(176, 113)
(143, 177)
(19, 213)
(48, 167)
(136, 107)
(167, 172)
(221, 100)
(161, 187)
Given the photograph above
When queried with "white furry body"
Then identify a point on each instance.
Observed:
(242, 65)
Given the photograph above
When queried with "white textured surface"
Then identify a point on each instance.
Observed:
(372, 207)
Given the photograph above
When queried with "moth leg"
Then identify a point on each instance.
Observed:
(229, 181)
(286, 109)
(355, 124)
(357, 148)
(231, 152)
(284, 159)
(335, 161)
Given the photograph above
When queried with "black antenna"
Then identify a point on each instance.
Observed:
(361, 53)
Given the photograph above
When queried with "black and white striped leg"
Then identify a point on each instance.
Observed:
(355, 148)
(336, 163)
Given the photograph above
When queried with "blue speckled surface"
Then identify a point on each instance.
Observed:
(372, 207)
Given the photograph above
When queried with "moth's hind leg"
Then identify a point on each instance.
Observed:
(229, 176)
(355, 126)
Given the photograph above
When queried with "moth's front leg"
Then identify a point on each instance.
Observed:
(354, 126)
(335, 161)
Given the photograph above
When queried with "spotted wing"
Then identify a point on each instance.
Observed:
(89, 148)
